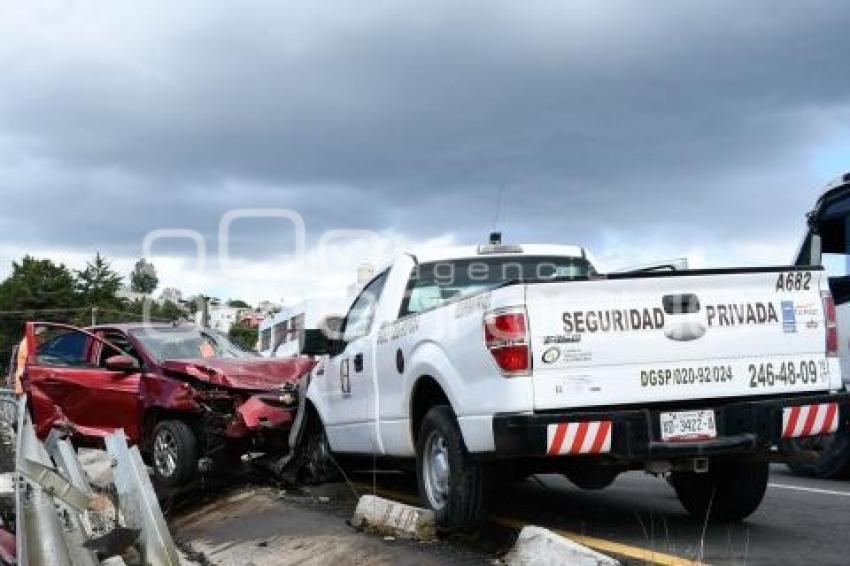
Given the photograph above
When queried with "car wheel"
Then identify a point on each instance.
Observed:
(174, 453)
(449, 482)
(834, 460)
(728, 491)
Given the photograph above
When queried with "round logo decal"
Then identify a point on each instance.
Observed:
(551, 355)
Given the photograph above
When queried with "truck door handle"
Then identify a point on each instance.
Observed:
(358, 362)
(344, 380)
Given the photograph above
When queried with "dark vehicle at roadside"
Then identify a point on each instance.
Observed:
(827, 243)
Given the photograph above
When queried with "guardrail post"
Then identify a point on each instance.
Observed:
(138, 502)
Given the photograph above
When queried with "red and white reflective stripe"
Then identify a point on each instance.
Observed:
(809, 420)
(589, 437)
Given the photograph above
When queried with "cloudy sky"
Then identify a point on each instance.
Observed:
(643, 130)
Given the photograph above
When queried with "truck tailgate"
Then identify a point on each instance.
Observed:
(676, 337)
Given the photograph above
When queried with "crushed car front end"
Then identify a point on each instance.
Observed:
(240, 404)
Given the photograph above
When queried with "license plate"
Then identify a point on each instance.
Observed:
(688, 425)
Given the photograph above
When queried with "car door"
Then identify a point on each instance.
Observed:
(348, 383)
(827, 243)
(67, 380)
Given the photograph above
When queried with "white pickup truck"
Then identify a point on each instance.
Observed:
(498, 360)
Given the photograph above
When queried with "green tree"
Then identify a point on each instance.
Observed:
(150, 310)
(238, 304)
(38, 284)
(143, 278)
(36, 289)
(171, 311)
(243, 335)
(98, 284)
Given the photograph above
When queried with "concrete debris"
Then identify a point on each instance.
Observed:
(537, 546)
(392, 518)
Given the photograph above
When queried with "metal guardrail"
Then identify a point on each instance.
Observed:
(56, 521)
(139, 504)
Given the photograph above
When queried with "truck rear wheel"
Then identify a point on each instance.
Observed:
(174, 453)
(728, 491)
(449, 481)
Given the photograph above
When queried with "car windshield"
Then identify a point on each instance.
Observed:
(186, 343)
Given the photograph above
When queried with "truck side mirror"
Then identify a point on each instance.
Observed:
(315, 343)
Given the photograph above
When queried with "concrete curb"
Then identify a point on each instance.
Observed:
(537, 546)
(388, 517)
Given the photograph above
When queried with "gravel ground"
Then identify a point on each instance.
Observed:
(264, 526)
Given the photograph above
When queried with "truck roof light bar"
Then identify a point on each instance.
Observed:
(497, 247)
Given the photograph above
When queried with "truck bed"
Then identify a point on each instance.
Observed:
(649, 337)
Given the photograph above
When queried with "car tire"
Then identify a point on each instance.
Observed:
(834, 460)
(174, 453)
(728, 491)
(450, 483)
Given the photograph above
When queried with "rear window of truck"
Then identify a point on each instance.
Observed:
(434, 284)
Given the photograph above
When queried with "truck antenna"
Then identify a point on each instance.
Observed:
(499, 206)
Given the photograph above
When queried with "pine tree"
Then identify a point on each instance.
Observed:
(98, 284)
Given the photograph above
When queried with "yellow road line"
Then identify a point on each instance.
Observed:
(603, 545)
(609, 546)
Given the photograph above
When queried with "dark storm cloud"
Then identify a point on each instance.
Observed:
(690, 121)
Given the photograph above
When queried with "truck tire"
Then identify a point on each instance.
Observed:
(449, 481)
(834, 461)
(730, 491)
(174, 453)
(319, 465)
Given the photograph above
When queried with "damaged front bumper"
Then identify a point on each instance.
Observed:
(263, 412)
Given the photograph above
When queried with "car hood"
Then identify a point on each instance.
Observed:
(243, 373)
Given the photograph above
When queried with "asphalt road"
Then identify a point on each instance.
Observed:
(801, 521)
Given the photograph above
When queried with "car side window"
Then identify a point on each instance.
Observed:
(358, 322)
(120, 340)
(63, 347)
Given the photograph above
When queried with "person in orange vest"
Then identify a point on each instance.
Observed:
(20, 365)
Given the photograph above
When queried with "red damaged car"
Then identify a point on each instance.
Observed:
(185, 395)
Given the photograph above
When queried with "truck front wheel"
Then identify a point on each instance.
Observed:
(451, 484)
(728, 491)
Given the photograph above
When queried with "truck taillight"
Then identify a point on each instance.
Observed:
(506, 336)
(831, 325)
